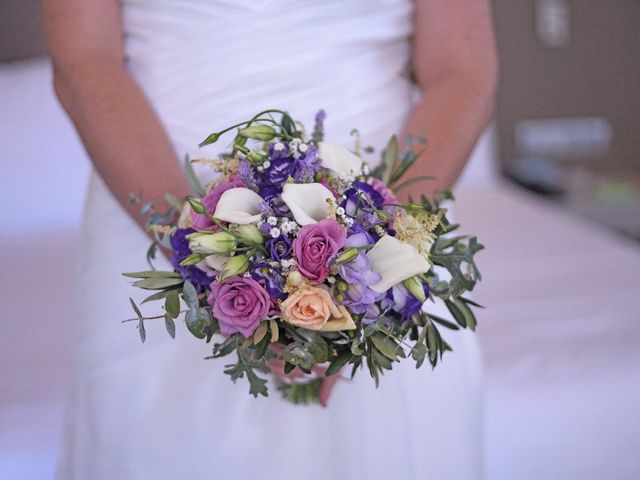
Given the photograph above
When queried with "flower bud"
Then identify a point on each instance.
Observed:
(196, 205)
(342, 285)
(219, 242)
(249, 233)
(258, 132)
(213, 138)
(236, 265)
(255, 157)
(346, 256)
(415, 288)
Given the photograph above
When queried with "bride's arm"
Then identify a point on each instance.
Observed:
(455, 66)
(118, 127)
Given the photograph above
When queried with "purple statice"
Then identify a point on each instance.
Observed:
(181, 250)
(279, 248)
(306, 166)
(318, 128)
(359, 277)
(246, 174)
(271, 278)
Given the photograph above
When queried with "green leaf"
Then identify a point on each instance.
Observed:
(288, 368)
(456, 313)
(135, 308)
(152, 274)
(469, 317)
(389, 158)
(190, 173)
(196, 320)
(319, 350)
(338, 362)
(386, 345)
(261, 347)
(456, 258)
(190, 295)
(172, 304)
(159, 295)
(419, 353)
(141, 330)
(170, 325)
(471, 302)
(443, 322)
(158, 283)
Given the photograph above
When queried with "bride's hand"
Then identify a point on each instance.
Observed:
(277, 369)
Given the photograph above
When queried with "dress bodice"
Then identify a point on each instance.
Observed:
(205, 64)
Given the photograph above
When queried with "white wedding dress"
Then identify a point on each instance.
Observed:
(158, 410)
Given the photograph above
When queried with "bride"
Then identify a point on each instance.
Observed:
(144, 81)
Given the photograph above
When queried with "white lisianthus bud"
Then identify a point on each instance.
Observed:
(236, 265)
(339, 160)
(239, 205)
(308, 202)
(219, 242)
(395, 261)
(249, 233)
(258, 132)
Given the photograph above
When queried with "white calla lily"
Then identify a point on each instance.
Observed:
(339, 160)
(395, 261)
(239, 205)
(307, 201)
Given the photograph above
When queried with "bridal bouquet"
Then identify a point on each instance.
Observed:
(298, 257)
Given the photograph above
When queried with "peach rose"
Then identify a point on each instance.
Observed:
(313, 308)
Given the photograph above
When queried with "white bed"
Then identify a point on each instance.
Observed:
(561, 333)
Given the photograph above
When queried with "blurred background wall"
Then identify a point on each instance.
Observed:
(552, 190)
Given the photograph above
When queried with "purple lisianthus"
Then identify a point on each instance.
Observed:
(359, 276)
(315, 246)
(239, 304)
(280, 248)
(403, 302)
(181, 250)
(278, 172)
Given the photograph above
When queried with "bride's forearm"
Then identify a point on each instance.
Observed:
(121, 133)
(451, 115)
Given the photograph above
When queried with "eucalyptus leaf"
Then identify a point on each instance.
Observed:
(386, 345)
(196, 320)
(172, 304)
(190, 295)
(170, 325)
(141, 330)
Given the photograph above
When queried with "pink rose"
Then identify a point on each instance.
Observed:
(313, 308)
(316, 245)
(239, 304)
(210, 202)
